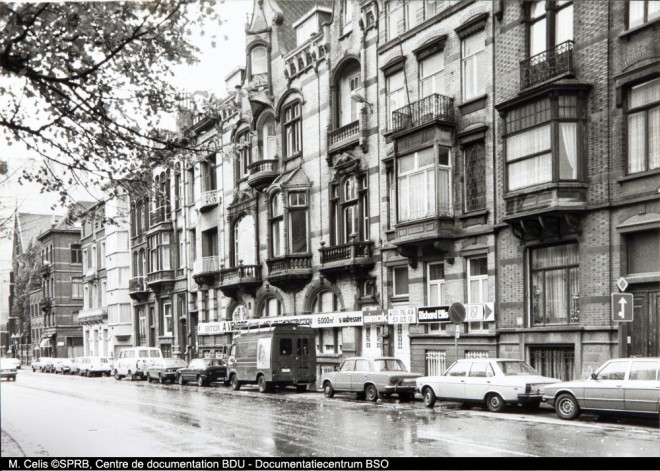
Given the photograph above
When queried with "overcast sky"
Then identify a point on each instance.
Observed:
(208, 74)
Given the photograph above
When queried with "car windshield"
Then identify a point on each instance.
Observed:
(389, 365)
(516, 368)
(213, 362)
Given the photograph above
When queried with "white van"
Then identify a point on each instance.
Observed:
(94, 366)
(132, 363)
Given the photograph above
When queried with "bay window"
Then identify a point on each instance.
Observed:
(543, 142)
(276, 226)
(424, 184)
(554, 284)
(643, 123)
(298, 230)
(160, 252)
(640, 12)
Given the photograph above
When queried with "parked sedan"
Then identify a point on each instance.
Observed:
(48, 365)
(7, 369)
(203, 371)
(371, 378)
(492, 381)
(165, 369)
(622, 386)
(13, 361)
(62, 365)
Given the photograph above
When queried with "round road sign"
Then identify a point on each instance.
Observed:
(457, 313)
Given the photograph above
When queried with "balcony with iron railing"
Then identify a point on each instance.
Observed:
(137, 286)
(290, 270)
(550, 64)
(344, 136)
(209, 199)
(434, 108)
(354, 257)
(262, 173)
(242, 276)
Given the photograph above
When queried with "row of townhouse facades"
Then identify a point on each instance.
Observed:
(376, 157)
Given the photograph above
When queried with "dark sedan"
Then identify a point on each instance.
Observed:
(203, 371)
(165, 369)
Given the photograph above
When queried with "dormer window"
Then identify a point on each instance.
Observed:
(310, 24)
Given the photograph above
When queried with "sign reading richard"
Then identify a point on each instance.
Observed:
(433, 313)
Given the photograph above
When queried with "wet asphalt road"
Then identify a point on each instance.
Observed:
(70, 416)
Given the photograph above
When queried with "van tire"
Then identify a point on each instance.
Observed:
(328, 390)
(371, 393)
(264, 386)
(235, 384)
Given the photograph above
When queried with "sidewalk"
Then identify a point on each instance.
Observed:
(9, 447)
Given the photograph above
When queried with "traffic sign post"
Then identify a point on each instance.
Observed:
(622, 307)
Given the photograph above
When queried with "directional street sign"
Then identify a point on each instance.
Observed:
(622, 307)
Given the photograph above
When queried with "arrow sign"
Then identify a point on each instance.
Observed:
(622, 307)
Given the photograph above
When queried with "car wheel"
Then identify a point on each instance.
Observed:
(429, 397)
(371, 393)
(181, 380)
(328, 390)
(567, 407)
(494, 402)
(117, 377)
(200, 381)
(160, 379)
(263, 385)
(235, 384)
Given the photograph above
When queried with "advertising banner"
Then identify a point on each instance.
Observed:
(337, 319)
(374, 317)
(214, 328)
(433, 313)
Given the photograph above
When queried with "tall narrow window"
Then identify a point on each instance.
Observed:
(477, 279)
(276, 226)
(644, 127)
(400, 281)
(268, 139)
(475, 177)
(395, 95)
(473, 56)
(167, 319)
(298, 231)
(436, 284)
(244, 241)
(349, 83)
(244, 148)
(430, 74)
(550, 24)
(554, 283)
(258, 61)
(271, 307)
(292, 127)
(394, 18)
(327, 340)
(347, 15)
(76, 253)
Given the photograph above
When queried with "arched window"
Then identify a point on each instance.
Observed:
(271, 307)
(350, 210)
(349, 81)
(142, 266)
(268, 139)
(258, 61)
(244, 150)
(276, 226)
(292, 129)
(244, 240)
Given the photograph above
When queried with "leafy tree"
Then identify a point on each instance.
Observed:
(87, 83)
(28, 278)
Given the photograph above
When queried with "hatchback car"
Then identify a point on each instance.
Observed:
(165, 369)
(62, 365)
(370, 378)
(203, 371)
(7, 369)
(495, 382)
(622, 386)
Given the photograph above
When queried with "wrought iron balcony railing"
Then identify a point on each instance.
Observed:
(546, 65)
(432, 108)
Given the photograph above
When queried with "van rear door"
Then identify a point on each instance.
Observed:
(304, 358)
(285, 366)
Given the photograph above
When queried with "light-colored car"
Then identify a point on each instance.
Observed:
(132, 363)
(164, 369)
(75, 365)
(495, 382)
(628, 386)
(7, 369)
(95, 366)
(13, 361)
(41, 363)
(62, 365)
(371, 378)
